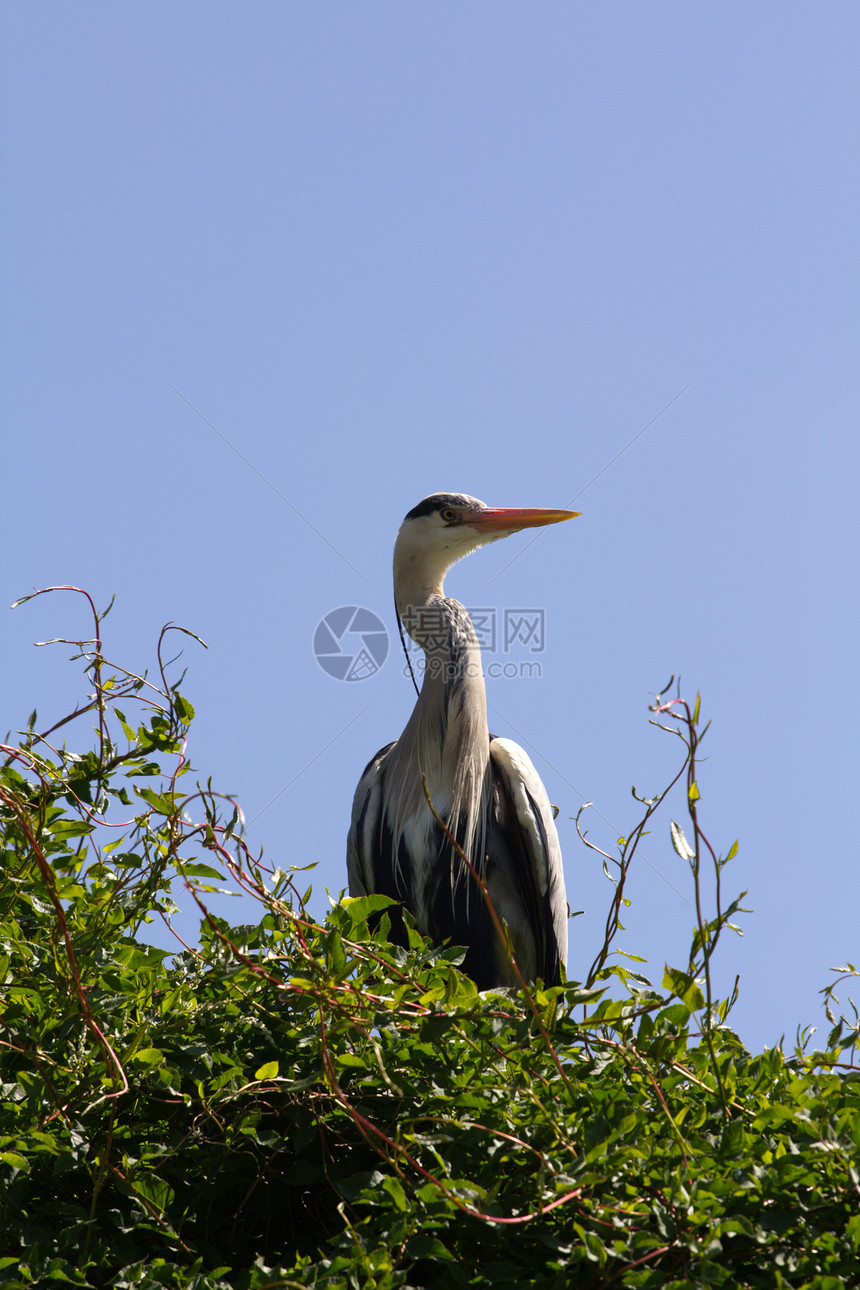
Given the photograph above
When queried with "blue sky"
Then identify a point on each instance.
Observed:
(385, 249)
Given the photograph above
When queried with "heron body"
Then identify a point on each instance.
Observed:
(485, 789)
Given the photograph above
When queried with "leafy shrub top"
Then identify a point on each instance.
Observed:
(302, 1103)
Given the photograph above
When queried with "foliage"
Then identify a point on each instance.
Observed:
(297, 1103)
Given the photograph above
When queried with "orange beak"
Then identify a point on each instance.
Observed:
(500, 520)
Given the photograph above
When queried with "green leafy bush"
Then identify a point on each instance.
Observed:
(297, 1103)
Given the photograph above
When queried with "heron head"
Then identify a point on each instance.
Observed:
(444, 527)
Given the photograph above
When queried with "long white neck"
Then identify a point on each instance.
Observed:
(450, 716)
(420, 564)
(446, 741)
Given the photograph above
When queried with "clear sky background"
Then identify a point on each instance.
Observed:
(385, 249)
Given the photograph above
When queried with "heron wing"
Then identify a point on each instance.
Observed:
(446, 910)
(525, 876)
(364, 840)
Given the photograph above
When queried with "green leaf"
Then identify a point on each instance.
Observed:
(269, 1070)
(63, 829)
(396, 1192)
(194, 869)
(153, 1189)
(161, 802)
(360, 908)
(350, 1059)
(15, 1159)
(685, 987)
(149, 1056)
(184, 710)
(337, 955)
(126, 728)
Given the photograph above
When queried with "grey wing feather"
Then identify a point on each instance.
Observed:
(363, 840)
(542, 851)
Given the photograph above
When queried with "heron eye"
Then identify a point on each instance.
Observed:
(448, 515)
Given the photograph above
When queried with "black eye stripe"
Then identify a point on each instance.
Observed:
(437, 503)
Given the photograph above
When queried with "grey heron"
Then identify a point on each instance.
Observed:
(485, 789)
